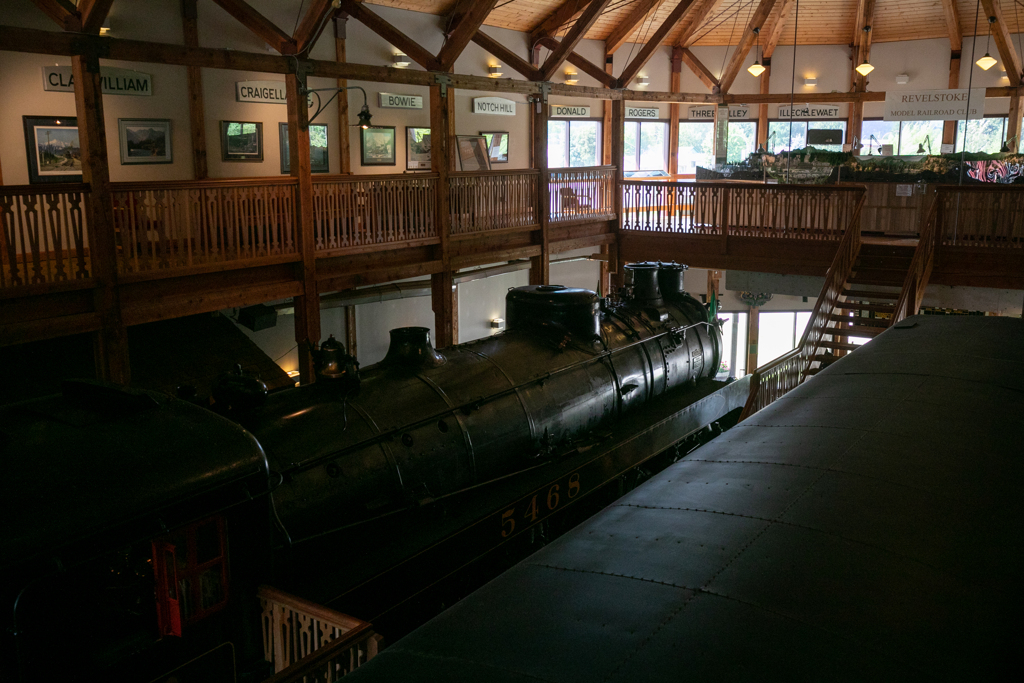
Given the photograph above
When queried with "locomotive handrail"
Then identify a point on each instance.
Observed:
(475, 403)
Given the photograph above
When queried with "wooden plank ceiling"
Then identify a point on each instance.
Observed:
(821, 22)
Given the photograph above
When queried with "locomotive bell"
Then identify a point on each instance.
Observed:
(410, 346)
(331, 359)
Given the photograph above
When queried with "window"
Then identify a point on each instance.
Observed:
(800, 128)
(884, 132)
(734, 346)
(916, 135)
(983, 135)
(574, 143)
(742, 140)
(191, 574)
(646, 147)
(778, 333)
(696, 145)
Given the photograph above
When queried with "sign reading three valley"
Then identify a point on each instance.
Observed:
(112, 81)
(934, 105)
(706, 112)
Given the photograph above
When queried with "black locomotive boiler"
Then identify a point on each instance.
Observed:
(153, 521)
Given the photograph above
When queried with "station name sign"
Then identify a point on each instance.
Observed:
(494, 105)
(935, 105)
(642, 112)
(810, 111)
(567, 110)
(112, 81)
(267, 92)
(388, 100)
(706, 112)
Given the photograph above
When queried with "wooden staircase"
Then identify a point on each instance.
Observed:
(868, 300)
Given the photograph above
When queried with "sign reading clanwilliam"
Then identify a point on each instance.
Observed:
(934, 105)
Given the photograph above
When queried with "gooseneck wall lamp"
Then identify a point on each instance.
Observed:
(364, 115)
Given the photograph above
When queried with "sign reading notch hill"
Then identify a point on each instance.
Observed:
(935, 105)
(494, 105)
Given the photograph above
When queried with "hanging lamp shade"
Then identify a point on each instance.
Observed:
(986, 62)
(756, 69)
(864, 69)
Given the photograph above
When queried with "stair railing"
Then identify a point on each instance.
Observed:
(774, 380)
(920, 266)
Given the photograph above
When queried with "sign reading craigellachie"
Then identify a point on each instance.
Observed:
(934, 105)
(268, 92)
(113, 81)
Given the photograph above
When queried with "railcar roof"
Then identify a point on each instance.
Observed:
(866, 526)
(101, 459)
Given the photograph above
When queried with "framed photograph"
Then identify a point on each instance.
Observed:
(319, 158)
(144, 141)
(241, 141)
(417, 149)
(497, 146)
(472, 151)
(377, 146)
(54, 153)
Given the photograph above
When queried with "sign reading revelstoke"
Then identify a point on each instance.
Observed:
(570, 110)
(113, 81)
(388, 100)
(706, 112)
(494, 105)
(934, 105)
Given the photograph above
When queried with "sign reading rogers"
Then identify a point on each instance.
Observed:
(935, 105)
(642, 112)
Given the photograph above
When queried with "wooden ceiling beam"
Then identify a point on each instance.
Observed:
(862, 41)
(468, 17)
(385, 30)
(313, 22)
(647, 51)
(773, 34)
(62, 12)
(698, 68)
(622, 30)
(506, 55)
(956, 41)
(583, 64)
(94, 13)
(757, 20)
(566, 12)
(692, 22)
(1004, 43)
(572, 38)
(259, 25)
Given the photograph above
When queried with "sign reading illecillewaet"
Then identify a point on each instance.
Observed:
(388, 100)
(934, 105)
(112, 81)
(810, 111)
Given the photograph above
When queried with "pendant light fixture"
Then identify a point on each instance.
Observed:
(756, 69)
(864, 68)
(988, 61)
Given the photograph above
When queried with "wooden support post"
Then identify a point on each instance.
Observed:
(111, 342)
(540, 266)
(604, 276)
(1013, 122)
(752, 333)
(344, 146)
(442, 155)
(194, 79)
(949, 127)
(673, 111)
(762, 109)
(351, 343)
(618, 145)
(606, 127)
(721, 134)
(856, 122)
(307, 306)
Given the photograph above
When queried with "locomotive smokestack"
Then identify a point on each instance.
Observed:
(410, 347)
(644, 278)
(670, 279)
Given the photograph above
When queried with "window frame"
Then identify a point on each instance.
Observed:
(568, 137)
(668, 124)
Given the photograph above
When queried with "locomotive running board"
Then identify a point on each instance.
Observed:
(371, 572)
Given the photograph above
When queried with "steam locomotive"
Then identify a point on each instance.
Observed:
(123, 558)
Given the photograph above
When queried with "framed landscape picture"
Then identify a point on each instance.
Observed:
(53, 150)
(144, 141)
(319, 157)
(472, 151)
(241, 141)
(497, 146)
(377, 146)
(417, 149)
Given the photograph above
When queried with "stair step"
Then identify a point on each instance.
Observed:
(885, 276)
(812, 371)
(884, 262)
(856, 325)
(867, 294)
(873, 282)
(855, 306)
(862, 331)
(843, 346)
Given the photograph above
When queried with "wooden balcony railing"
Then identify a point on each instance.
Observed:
(307, 641)
(920, 268)
(482, 201)
(740, 209)
(192, 225)
(774, 380)
(990, 216)
(357, 212)
(581, 193)
(43, 235)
